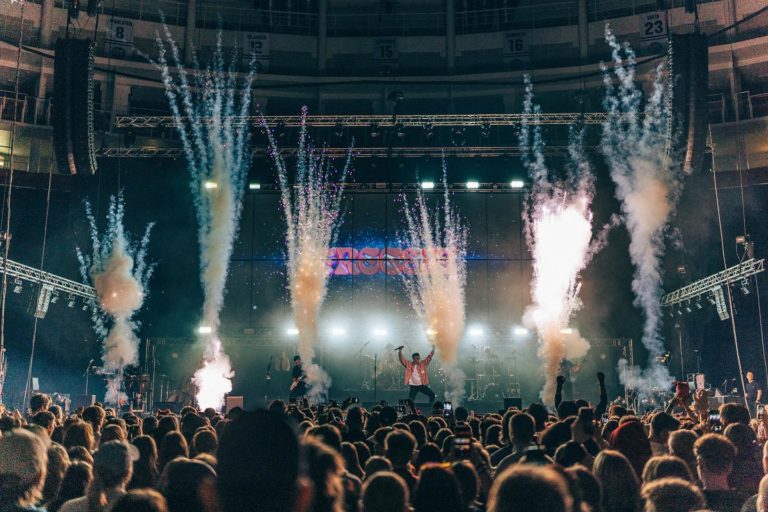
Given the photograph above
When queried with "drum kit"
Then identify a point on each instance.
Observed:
(493, 377)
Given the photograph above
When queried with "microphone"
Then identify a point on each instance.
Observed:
(400, 348)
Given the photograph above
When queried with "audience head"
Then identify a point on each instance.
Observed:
(141, 500)
(385, 492)
(23, 466)
(715, 456)
(437, 490)
(666, 466)
(672, 495)
(399, 446)
(526, 488)
(183, 483)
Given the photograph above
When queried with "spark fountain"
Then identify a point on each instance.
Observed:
(636, 144)
(205, 107)
(436, 285)
(119, 272)
(311, 205)
(558, 229)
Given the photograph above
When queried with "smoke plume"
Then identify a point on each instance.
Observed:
(436, 287)
(119, 273)
(558, 228)
(311, 205)
(206, 107)
(636, 144)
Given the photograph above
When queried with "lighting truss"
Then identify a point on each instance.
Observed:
(48, 280)
(384, 121)
(372, 152)
(711, 288)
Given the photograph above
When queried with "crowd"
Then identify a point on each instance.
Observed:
(343, 458)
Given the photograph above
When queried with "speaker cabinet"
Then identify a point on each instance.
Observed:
(73, 135)
(690, 83)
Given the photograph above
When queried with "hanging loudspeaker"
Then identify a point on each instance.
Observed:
(690, 81)
(73, 136)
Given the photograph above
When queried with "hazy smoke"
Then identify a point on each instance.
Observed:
(436, 287)
(558, 228)
(636, 144)
(205, 107)
(119, 273)
(311, 205)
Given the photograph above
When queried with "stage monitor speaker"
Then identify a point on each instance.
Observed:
(73, 136)
(513, 402)
(169, 406)
(231, 402)
(690, 83)
(83, 401)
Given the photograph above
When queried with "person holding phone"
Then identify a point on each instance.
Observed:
(416, 377)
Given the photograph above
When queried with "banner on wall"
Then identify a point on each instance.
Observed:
(517, 47)
(257, 46)
(118, 42)
(653, 32)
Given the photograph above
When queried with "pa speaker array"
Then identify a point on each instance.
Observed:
(690, 81)
(73, 136)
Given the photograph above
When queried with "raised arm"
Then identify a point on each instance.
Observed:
(429, 357)
(400, 356)
(602, 405)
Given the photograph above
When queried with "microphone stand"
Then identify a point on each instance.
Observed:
(268, 378)
(87, 373)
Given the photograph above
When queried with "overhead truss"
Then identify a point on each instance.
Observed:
(713, 283)
(370, 152)
(384, 121)
(46, 279)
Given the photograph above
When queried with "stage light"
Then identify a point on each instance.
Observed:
(427, 185)
(379, 333)
(400, 130)
(476, 332)
(473, 184)
(567, 330)
(688, 308)
(55, 297)
(210, 185)
(430, 332)
(204, 329)
(292, 331)
(744, 286)
(485, 130)
(338, 331)
(517, 183)
(71, 301)
(429, 130)
(85, 307)
(374, 130)
(338, 129)
(17, 287)
(254, 186)
(519, 331)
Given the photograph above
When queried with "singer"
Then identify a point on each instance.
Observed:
(416, 376)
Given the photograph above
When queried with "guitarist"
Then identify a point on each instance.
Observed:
(298, 386)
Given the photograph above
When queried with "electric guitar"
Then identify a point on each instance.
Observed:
(296, 382)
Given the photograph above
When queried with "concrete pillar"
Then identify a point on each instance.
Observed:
(583, 31)
(46, 24)
(189, 31)
(322, 33)
(450, 33)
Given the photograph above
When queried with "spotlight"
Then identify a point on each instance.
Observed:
(473, 184)
(204, 329)
(429, 130)
(399, 130)
(338, 129)
(458, 136)
(254, 186)
(567, 330)
(85, 307)
(517, 184)
(338, 331)
(427, 185)
(485, 130)
(379, 333)
(698, 303)
(519, 331)
(688, 307)
(210, 185)
(744, 286)
(430, 332)
(71, 301)
(476, 332)
(55, 297)
(292, 331)
(374, 130)
(17, 286)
